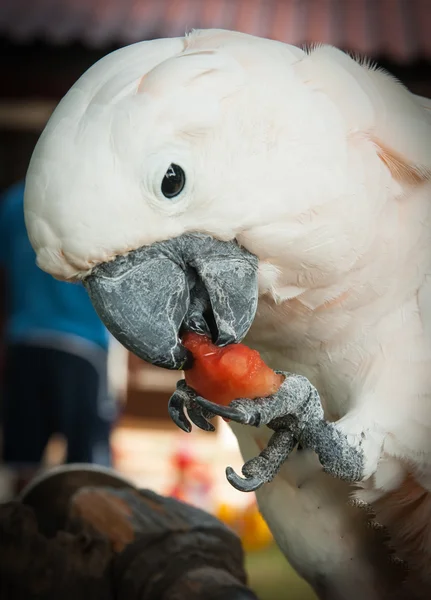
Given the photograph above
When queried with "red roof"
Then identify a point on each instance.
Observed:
(398, 29)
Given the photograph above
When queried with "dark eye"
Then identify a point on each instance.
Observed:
(173, 182)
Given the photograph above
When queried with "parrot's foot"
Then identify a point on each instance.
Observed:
(185, 397)
(295, 414)
(264, 467)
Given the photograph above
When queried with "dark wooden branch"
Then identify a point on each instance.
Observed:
(164, 548)
(66, 567)
(117, 542)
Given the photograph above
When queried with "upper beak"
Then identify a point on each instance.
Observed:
(194, 281)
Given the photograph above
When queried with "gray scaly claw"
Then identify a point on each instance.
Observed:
(263, 468)
(244, 413)
(185, 397)
(243, 484)
(295, 414)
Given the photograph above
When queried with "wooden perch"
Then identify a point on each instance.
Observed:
(66, 567)
(117, 542)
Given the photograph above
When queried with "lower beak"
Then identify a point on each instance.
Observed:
(147, 297)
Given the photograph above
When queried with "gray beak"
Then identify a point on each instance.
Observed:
(193, 282)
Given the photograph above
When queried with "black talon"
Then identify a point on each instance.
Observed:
(176, 412)
(227, 412)
(198, 419)
(248, 484)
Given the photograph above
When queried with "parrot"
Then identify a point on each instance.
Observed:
(279, 197)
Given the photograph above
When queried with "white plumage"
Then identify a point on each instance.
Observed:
(320, 165)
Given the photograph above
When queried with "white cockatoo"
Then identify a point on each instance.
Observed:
(226, 183)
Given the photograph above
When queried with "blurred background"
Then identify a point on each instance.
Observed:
(45, 46)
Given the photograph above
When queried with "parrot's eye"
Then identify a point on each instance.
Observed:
(173, 182)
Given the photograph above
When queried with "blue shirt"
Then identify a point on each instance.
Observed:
(38, 304)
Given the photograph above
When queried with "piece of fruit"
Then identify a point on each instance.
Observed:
(224, 374)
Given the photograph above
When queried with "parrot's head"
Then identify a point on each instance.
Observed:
(163, 169)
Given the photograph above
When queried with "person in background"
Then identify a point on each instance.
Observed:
(55, 368)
